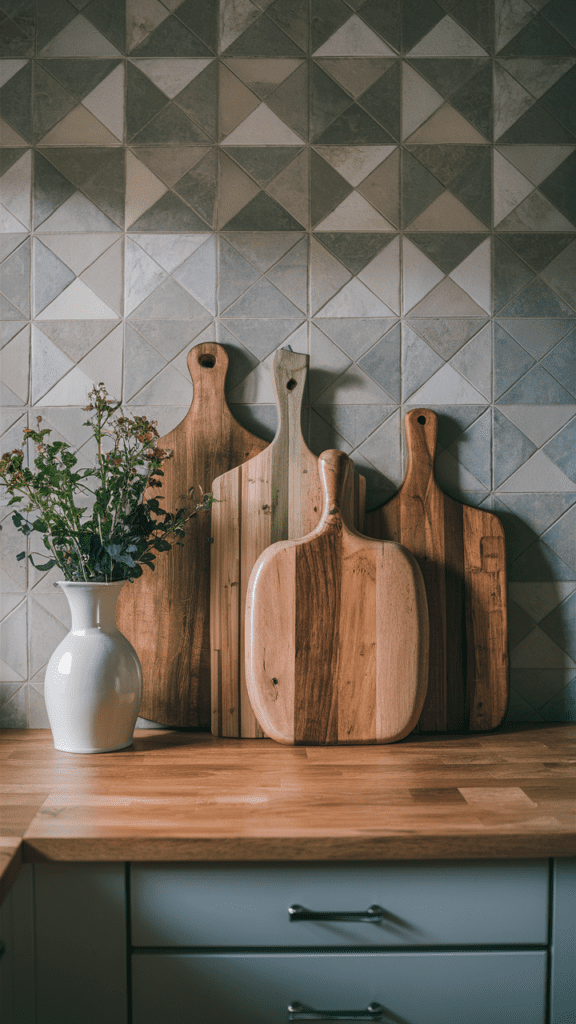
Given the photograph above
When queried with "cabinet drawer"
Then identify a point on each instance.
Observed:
(413, 988)
(425, 904)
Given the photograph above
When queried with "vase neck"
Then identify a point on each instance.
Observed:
(93, 605)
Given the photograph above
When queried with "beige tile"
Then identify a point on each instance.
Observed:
(15, 188)
(382, 275)
(79, 128)
(447, 125)
(106, 276)
(235, 101)
(143, 188)
(262, 128)
(142, 17)
(447, 213)
(106, 102)
(354, 39)
(235, 189)
(355, 214)
(447, 39)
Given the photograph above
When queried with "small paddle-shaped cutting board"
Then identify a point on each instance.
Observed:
(462, 556)
(336, 631)
(276, 496)
(165, 613)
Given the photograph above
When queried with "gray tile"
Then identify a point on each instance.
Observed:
(199, 99)
(290, 275)
(16, 278)
(242, 361)
(77, 337)
(169, 302)
(263, 300)
(419, 188)
(540, 685)
(198, 187)
(14, 644)
(537, 300)
(536, 387)
(561, 708)
(322, 435)
(511, 448)
(382, 362)
(170, 213)
(50, 190)
(9, 242)
(261, 420)
(446, 335)
(560, 537)
(511, 361)
(16, 101)
(419, 362)
(561, 275)
(354, 423)
(262, 336)
(264, 39)
(355, 335)
(171, 39)
(473, 449)
(510, 274)
(51, 102)
(51, 276)
(235, 275)
(14, 713)
(537, 336)
(169, 337)
(171, 125)
(141, 363)
(519, 624)
(562, 449)
(561, 362)
(78, 75)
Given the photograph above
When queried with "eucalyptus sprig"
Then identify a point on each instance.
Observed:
(102, 523)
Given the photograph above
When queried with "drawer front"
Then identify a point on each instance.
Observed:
(425, 904)
(413, 988)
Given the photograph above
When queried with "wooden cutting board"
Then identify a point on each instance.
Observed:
(276, 496)
(165, 613)
(336, 631)
(462, 556)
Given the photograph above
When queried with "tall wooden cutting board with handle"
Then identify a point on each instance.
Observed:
(275, 496)
(336, 631)
(165, 613)
(461, 553)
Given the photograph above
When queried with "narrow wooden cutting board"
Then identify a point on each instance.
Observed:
(165, 613)
(336, 631)
(275, 496)
(462, 556)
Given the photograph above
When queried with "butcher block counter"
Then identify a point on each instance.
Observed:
(228, 881)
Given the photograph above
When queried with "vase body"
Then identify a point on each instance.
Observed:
(93, 680)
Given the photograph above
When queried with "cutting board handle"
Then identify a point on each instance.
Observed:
(421, 426)
(208, 365)
(334, 467)
(289, 373)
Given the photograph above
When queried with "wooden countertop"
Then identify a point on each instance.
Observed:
(191, 796)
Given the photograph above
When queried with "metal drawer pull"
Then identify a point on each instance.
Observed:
(298, 1011)
(373, 914)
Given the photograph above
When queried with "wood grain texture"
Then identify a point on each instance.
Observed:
(461, 553)
(180, 796)
(165, 613)
(275, 496)
(337, 624)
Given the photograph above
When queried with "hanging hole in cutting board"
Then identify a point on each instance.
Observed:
(207, 360)
(422, 419)
(292, 384)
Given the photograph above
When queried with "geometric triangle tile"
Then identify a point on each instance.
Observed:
(263, 163)
(354, 39)
(382, 275)
(15, 277)
(106, 187)
(355, 74)
(474, 275)
(535, 213)
(382, 362)
(290, 274)
(539, 474)
(106, 102)
(452, 476)
(511, 448)
(262, 127)
(49, 364)
(355, 300)
(290, 101)
(15, 363)
(352, 421)
(202, 17)
(537, 127)
(327, 275)
(537, 386)
(356, 336)
(198, 186)
(290, 188)
(447, 335)
(170, 124)
(447, 39)
(262, 76)
(169, 301)
(474, 100)
(142, 276)
(558, 187)
(539, 599)
(474, 186)
(78, 214)
(10, 138)
(419, 188)
(327, 363)
(51, 276)
(76, 338)
(537, 37)
(142, 363)
(419, 100)
(537, 336)
(77, 302)
(447, 125)
(256, 388)
(446, 249)
(235, 19)
(105, 276)
(539, 563)
(143, 100)
(263, 39)
(265, 214)
(511, 18)
(538, 250)
(447, 75)
(9, 242)
(381, 451)
(383, 100)
(79, 39)
(51, 102)
(169, 337)
(199, 100)
(51, 189)
(79, 128)
(536, 162)
(536, 300)
(561, 362)
(327, 189)
(261, 337)
(447, 296)
(354, 249)
(9, 68)
(74, 388)
(198, 274)
(235, 277)
(352, 388)
(17, 107)
(263, 300)
(168, 387)
(8, 312)
(447, 213)
(104, 362)
(355, 213)
(169, 213)
(264, 248)
(561, 538)
(562, 707)
(561, 274)
(510, 187)
(537, 74)
(15, 188)
(420, 275)
(327, 101)
(169, 251)
(474, 361)
(510, 274)
(537, 650)
(540, 423)
(537, 512)
(172, 76)
(171, 39)
(562, 450)
(77, 252)
(353, 128)
(79, 76)
(473, 449)
(419, 362)
(447, 386)
(511, 101)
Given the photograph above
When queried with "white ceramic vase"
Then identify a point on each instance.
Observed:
(93, 680)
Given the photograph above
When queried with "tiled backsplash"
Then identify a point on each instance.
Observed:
(389, 186)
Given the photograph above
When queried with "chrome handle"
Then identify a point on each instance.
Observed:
(373, 914)
(298, 1011)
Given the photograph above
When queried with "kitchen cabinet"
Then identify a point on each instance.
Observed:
(466, 941)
